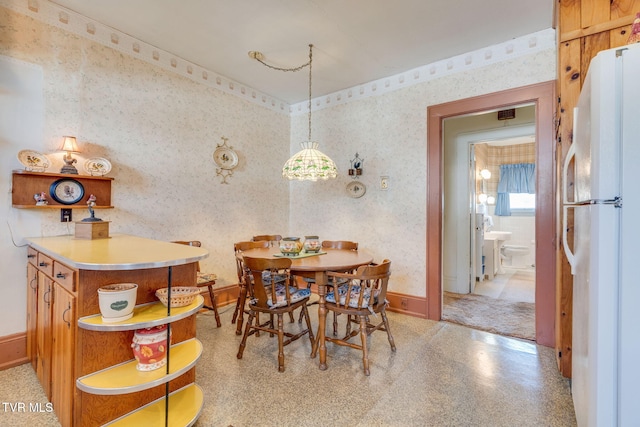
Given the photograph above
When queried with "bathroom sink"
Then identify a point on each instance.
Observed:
(497, 235)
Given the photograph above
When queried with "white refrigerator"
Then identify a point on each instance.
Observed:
(605, 254)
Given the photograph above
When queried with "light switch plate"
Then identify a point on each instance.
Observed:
(384, 183)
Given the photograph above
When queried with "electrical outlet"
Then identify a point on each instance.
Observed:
(384, 182)
(65, 215)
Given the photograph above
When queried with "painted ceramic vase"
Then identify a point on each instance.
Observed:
(311, 244)
(150, 347)
(290, 246)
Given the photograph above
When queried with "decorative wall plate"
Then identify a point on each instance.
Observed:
(97, 166)
(34, 161)
(66, 191)
(356, 189)
(225, 157)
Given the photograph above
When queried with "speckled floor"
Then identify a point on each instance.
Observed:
(441, 375)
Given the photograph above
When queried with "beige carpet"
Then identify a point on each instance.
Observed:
(509, 318)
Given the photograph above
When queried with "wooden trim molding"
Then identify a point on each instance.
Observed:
(407, 304)
(225, 295)
(13, 350)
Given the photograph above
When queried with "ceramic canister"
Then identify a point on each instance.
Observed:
(311, 244)
(150, 347)
(290, 245)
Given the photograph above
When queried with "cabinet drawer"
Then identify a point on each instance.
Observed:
(32, 255)
(65, 276)
(45, 264)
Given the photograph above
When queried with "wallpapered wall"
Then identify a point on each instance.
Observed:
(159, 131)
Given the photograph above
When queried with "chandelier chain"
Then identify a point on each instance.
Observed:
(273, 67)
(310, 61)
(257, 56)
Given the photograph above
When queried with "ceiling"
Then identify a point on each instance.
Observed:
(355, 41)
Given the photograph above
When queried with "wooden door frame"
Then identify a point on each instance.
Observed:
(542, 95)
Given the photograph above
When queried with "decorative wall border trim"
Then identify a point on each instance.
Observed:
(82, 26)
(518, 47)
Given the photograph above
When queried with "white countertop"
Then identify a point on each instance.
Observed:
(119, 252)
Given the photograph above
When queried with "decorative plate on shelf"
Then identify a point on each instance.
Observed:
(34, 161)
(225, 157)
(97, 166)
(356, 189)
(66, 191)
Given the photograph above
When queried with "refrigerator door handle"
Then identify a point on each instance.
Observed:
(565, 167)
(567, 250)
(567, 204)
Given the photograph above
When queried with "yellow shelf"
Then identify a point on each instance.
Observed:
(144, 316)
(125, 378)
(185, 406)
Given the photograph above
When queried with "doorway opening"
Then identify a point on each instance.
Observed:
(485, 285)
(542, 97)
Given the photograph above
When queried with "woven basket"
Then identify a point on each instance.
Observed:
(180, 295)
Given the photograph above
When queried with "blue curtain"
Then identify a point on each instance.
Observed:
(515, 178)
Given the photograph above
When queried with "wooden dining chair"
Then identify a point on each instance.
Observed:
(244, 291)
(273, 239)
(275, 299)
(331, 244)
(207, 280)
(362, 297)
(340, 244)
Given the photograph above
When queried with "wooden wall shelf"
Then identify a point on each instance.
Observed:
(25, 184)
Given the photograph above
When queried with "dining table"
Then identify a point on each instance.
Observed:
(316, 266)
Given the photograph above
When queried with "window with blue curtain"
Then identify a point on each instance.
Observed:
(514, 178)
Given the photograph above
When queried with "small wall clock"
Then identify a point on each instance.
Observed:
(66, 191)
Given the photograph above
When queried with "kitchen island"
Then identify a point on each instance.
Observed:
(63, 276)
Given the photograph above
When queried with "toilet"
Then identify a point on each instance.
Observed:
(515, 256)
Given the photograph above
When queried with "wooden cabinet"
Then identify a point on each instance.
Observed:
(65, 351)
(63, 325)
(26, 184)
(43, 332)
(50, 331)
(32, 306)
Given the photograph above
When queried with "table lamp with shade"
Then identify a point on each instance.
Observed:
(69, 146)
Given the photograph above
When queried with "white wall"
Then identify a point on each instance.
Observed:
(159, 131)
(21, 127)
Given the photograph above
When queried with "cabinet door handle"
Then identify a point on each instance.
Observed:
(44, 297)
(65, 320)
(61, 275)
(43, 264)
(34, 280)
(31, 256)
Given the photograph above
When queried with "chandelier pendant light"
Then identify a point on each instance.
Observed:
(309, 164)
